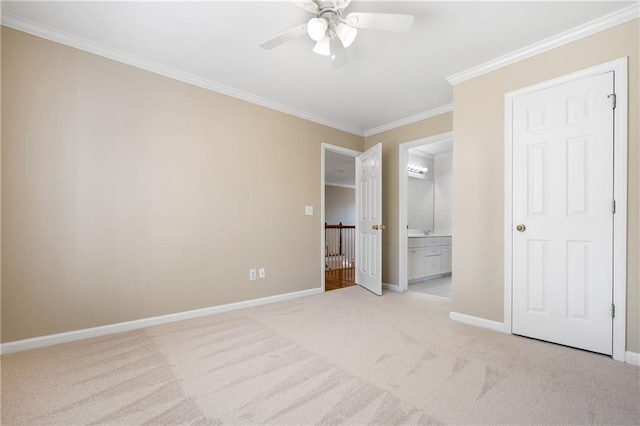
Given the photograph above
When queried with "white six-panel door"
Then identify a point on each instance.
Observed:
(369, 219)
(562, 214)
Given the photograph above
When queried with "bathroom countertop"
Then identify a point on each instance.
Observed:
(429, 236)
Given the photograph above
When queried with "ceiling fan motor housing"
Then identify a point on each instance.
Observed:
(332, 17)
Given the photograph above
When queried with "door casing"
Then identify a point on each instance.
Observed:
(619, 67)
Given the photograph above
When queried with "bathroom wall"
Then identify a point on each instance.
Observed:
(420, 196)
(443, 172)
(420, 193)
(421, 160)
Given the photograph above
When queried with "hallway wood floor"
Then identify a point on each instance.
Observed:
(339, 278)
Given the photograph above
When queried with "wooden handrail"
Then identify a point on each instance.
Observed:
(339, 226)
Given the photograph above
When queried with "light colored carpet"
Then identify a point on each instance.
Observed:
(345, 356)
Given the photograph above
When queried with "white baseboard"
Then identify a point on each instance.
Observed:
(632, 358)
(392, 287)
(72, 336)
(477, 321)
(428, 296)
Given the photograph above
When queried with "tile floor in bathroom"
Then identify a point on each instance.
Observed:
(440, 286)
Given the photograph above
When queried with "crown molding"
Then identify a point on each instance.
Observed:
(409, 120)
(79, 43)
(605, 22)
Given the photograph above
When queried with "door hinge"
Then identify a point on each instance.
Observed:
(613, 310)
(613, 100)
(613, 206)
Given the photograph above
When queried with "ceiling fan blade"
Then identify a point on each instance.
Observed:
(342, 4)
(380, 21)
(286, 36)
(308, 5)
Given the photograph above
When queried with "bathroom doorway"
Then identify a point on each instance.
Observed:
(425, 215)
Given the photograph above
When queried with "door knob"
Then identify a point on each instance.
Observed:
(377, 227)
(520, 228)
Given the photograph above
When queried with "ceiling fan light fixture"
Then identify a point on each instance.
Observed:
(317, 28)
(346, 34)
(323, 46)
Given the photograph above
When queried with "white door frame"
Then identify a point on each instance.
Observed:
(619, 66)
(403, 179)
(340, 150)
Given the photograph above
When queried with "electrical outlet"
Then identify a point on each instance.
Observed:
(252, 275)
(262, 273)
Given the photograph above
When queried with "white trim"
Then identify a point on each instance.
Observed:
(430, 277)
(403, 232)
(79, 43)
(632, 358)
(600, 24)
(508, 212)
(477, 321)
(392, 287)
(428, 296)
(409, 120)
(619, 66)
(87, 333)
(403, 155)
(621, 129)
(340, 150)
(340, 185)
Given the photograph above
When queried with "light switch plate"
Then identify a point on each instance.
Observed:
(308, 210)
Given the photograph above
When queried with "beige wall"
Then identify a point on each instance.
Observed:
(0, 193)
(478, 200)
(390, 141)
(127, 195)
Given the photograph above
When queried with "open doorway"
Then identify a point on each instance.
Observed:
(425, 212)
(338, 217)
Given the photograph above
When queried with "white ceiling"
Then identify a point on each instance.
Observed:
(390, 76)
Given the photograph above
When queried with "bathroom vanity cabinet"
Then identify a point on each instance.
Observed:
(428, 256)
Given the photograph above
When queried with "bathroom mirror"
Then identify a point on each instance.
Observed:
(420, 195)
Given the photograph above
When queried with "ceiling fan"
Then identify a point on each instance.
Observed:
(333, 31)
